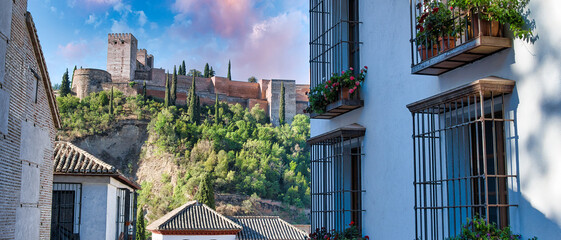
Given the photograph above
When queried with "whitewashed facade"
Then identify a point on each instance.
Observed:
(387, 153)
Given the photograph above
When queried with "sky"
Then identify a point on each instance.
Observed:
(262, 38)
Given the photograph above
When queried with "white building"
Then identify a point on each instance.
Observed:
(91, 199)
(419, 155)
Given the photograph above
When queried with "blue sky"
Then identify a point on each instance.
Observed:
(263, 38)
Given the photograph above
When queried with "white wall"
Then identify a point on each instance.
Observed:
(156, 236)
(535, 103)
(94, 209)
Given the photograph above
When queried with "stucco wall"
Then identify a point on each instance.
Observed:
(389, 87)
(94, 210)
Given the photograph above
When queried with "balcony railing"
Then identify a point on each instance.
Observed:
(445, 38)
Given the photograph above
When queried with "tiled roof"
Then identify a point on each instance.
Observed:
(267, 228)
(193, 216)
(71, 159)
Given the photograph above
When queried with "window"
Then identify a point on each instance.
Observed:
(126, 213)
(65, 217)
(334, 38)
(460, 158)
(36, 83)
(336, 191)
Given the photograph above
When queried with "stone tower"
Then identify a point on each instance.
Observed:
(121, 56)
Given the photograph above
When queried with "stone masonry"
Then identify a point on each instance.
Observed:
(126, 63)
(28, 121)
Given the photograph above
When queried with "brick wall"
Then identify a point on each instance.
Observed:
(26, 145)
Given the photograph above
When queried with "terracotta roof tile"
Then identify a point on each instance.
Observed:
(193, 216)
(267, 228)
(71, 159)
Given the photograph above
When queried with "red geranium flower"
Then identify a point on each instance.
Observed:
(365, 67)
(352, 222)
(352, 78)
(435, 10)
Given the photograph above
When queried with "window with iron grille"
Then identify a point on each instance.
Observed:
(334, 38)
(336, 190)
(65, 215)
(126, 210)
(461, 167)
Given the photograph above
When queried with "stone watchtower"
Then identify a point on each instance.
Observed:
(121, 56)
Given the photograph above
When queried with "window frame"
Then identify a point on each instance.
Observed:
(450, 133)
(336, 178)
(77, 202)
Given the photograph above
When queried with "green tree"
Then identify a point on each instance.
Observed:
(198, 110)
(166, 97)
(205, 193)
(183, 69)
(144, 90)
(252, 79)
(207, 71)
(216, 110)
(65, 85)
(282, 106)
(111, 102)
(211, 73)
(195, 73)
(173, 95)
(140, 227)
(72, 81)
(229, 68)
(191, 111)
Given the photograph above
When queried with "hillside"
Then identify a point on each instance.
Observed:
(257, 169)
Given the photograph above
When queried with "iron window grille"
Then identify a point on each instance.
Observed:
(334, 38)
(65, 215)
(461, 168)
(126, 213)
(336, 181)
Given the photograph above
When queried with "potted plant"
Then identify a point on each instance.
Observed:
(340, 86)
(436, 23)
(486, 16)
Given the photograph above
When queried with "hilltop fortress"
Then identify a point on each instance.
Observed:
(126, 63)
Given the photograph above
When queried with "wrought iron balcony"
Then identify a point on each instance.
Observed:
(444, 38)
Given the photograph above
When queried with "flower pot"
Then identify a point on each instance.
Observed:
(346, 95)
(446, 43)
(427, 53)
(482, 27)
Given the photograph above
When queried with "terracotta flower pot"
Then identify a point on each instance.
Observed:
(483, 27)
(446, 43)
(427, 53)
(346, 95)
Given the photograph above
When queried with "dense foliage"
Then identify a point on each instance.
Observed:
(350, 233)
(478, 228)
(237, 148)
(65, 84)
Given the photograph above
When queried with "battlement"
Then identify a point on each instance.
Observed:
(122, 36)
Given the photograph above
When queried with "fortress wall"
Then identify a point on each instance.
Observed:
(141, 56)
(220, 85)
(243, 89)
(88, 80)
(263, 104)
(264, 84)
(158, 77)
(301, 106)
(125, 88)
(273, 97)
(142, 75)
(301, 90)
(201, 84)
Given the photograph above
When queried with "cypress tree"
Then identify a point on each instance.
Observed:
(192, 102)
(179, 70)
(111, 102)
(207, 71)
(184, 70)
(198, 110)
(140, 227)
(173, 95)
(229, 75)
(281, 107)
(166, 97)
(211, 72)
(216, 110)
(65, 85)
(144, 90)
(205, 194)
(72, 81)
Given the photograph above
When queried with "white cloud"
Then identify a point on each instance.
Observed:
(93, 20)
(122, 8)
(120, 26)
(142, 19)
